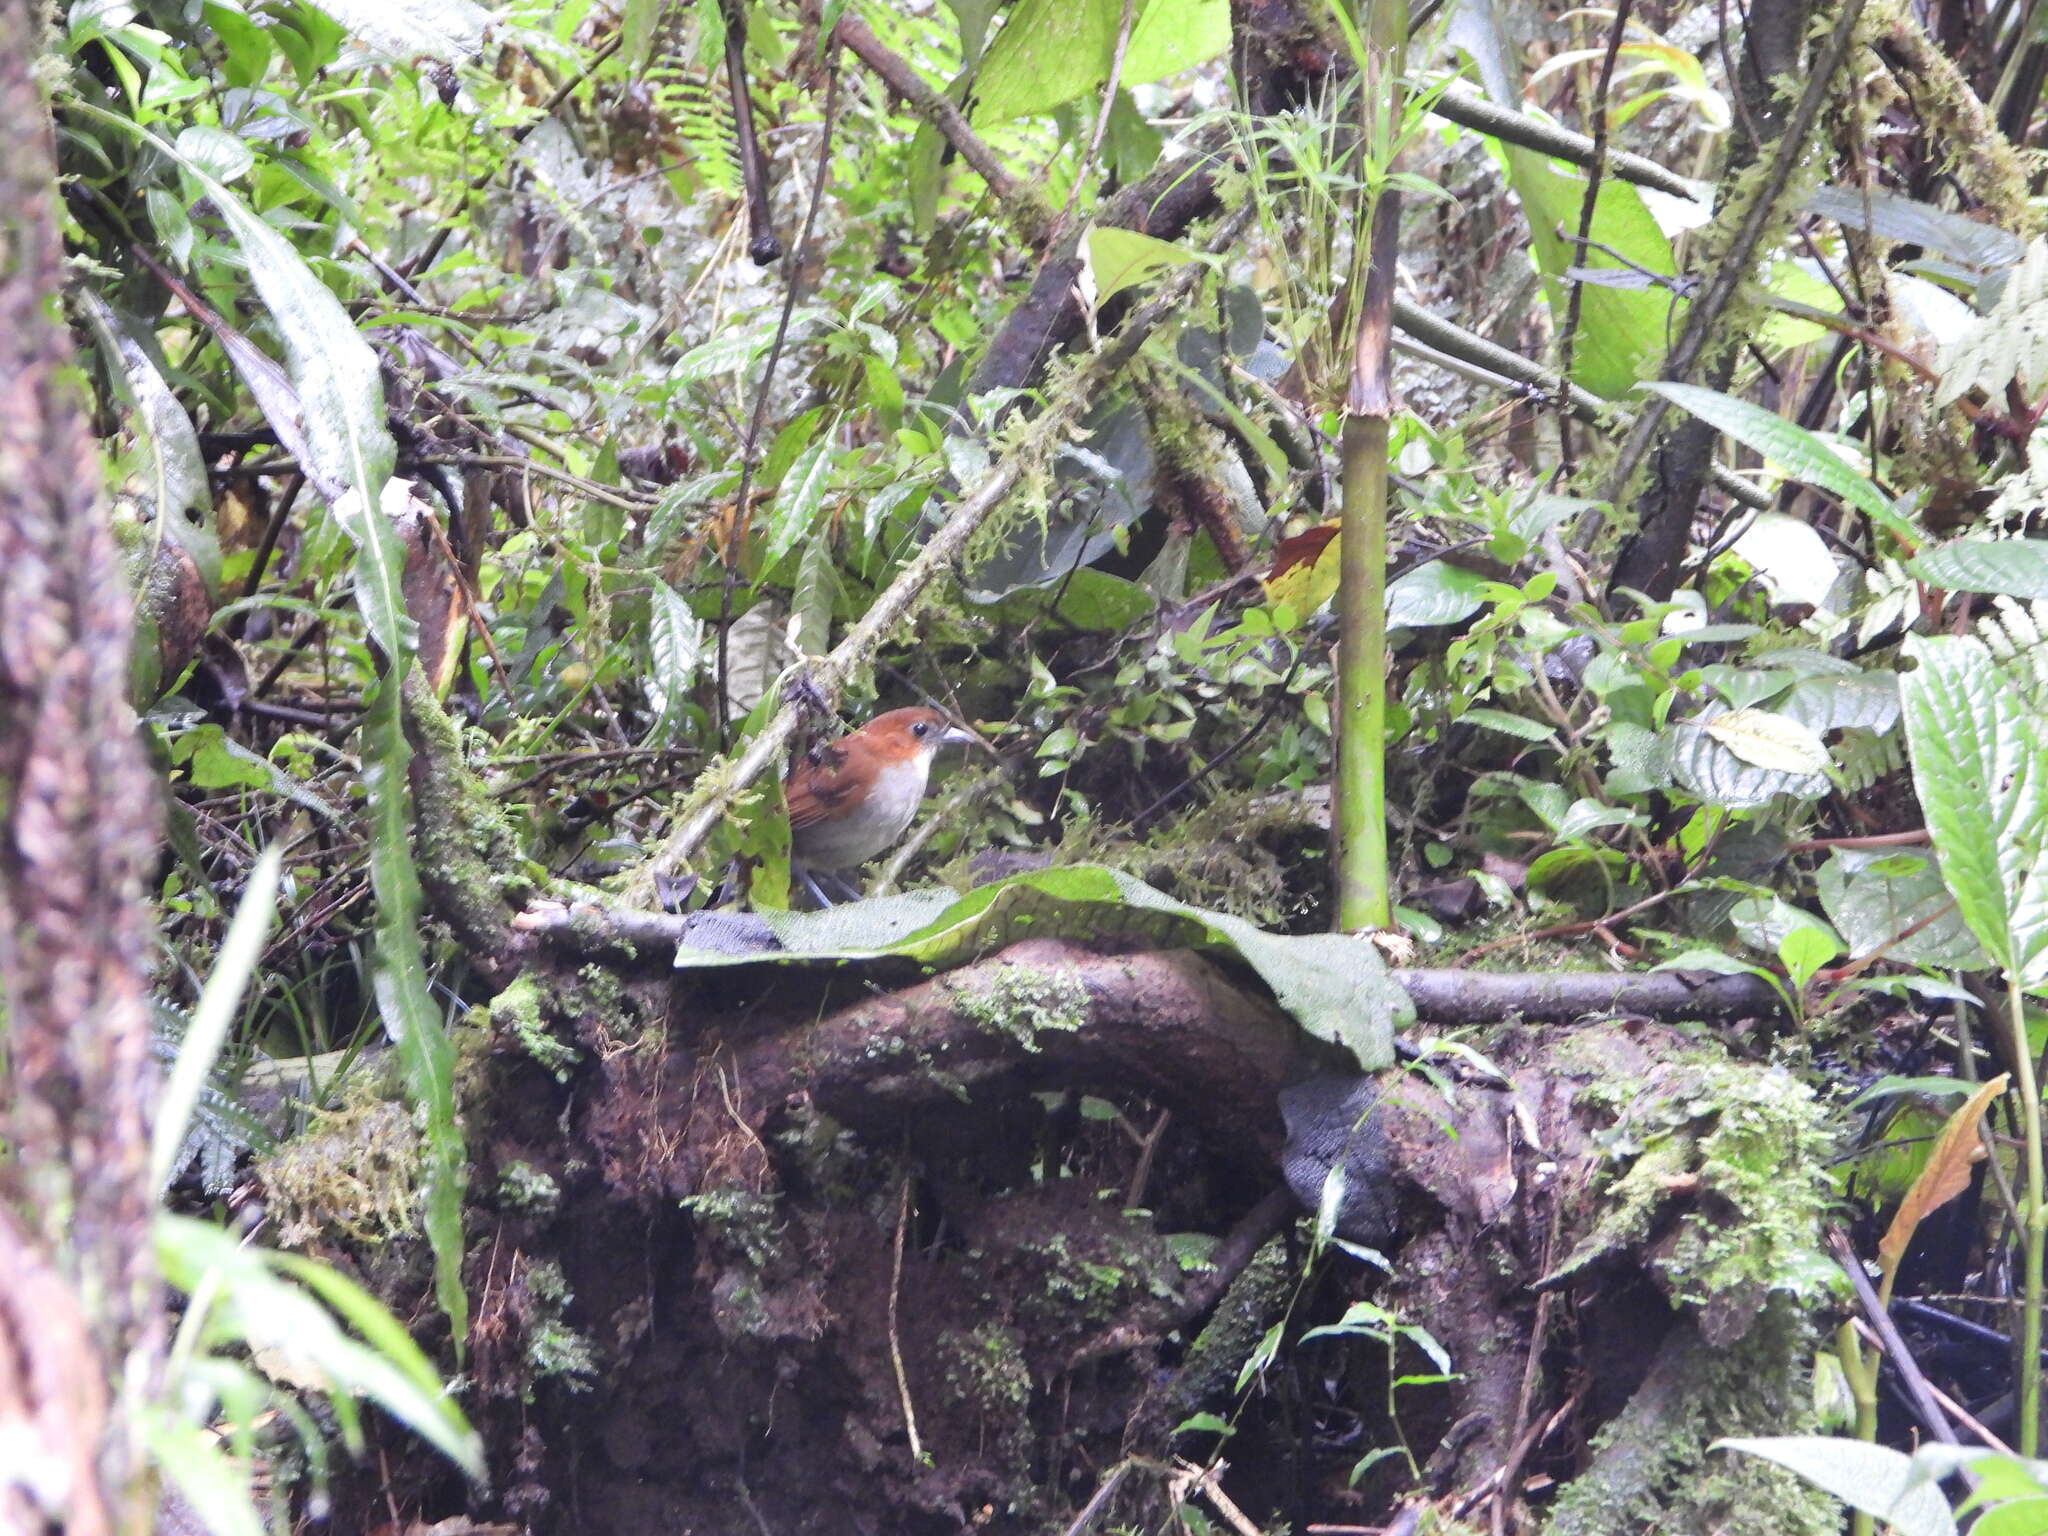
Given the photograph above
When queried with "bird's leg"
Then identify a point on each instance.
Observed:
(804, 878)
(848, 891)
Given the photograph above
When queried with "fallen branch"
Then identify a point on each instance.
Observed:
(1448, 997)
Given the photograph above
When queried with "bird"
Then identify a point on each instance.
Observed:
(853, 798)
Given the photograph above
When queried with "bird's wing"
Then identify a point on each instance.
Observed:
(821, 788)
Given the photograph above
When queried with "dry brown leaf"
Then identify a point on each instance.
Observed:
(1946, 1175)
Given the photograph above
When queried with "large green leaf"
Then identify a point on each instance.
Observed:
(1794, 450)
(1334, 985)
(2012, 567)
(1980, 765)
(1622, 330)
(1051, 51)
(1873, 1478)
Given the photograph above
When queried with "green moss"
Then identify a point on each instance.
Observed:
(523, 1187)
(985, 1368)
(466, 850)
(356, 1174)
(1653, 1469)
(554, 1349)
(1021, 1002)
(741, 1219)
(516, 1012)
(1764, 1154)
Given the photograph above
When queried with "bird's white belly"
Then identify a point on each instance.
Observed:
(878, 821)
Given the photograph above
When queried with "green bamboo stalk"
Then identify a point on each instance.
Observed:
(1359, 792)
(2034, 1233)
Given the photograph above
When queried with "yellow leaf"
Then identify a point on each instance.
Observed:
(1765, 740)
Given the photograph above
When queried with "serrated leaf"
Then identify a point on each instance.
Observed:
(2008, 567)
(1980, 766)
(722, 354)
(1511, 725)
(1765, 740)
(1705, 767)
(797, 500)
(2009, 343)
(676, 647)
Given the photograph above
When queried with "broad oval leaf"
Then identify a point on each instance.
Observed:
(1765, 740)
(1873, 1478)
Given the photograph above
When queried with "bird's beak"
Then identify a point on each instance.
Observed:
(960, 736)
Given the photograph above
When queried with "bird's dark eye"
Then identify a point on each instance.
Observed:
(922, 728)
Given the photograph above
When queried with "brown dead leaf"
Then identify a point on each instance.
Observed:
(1946, 1175)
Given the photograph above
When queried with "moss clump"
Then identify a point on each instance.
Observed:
(523, 1187)
(1653, 1470)
(355, 1174)
(468, 856)
(985, 1372)
(1021, 1002)
(1762, 1155)
(1745, 1149)
(554, 1350)
(516, 1012)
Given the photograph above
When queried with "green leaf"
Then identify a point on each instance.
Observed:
(1980, 766)
(2011, 342)
(1049, 52)
(1794, 450)
(1511, 725)
(1334, 985)
(216, 152)
(797, 501)
(1172, 35)
(179, 490)
(2010, 567)
(219, 1002)
(1122, 258)
(285, 1305)
(1435, 593)
(1881, 1482)
(212, 1482)
(676, 647)
(1090, 599)
(449, 30)
(1621, 330)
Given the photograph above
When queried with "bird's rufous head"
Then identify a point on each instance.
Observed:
(902, 735)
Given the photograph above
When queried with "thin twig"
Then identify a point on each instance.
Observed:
(936, 108)
(1924, 1407)
(1109, 88)
(1733, 268)
(742, 506)
(1586, 205)
(895, 1343)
